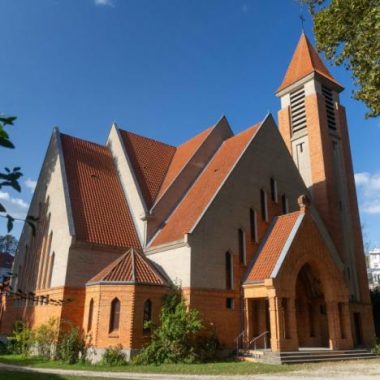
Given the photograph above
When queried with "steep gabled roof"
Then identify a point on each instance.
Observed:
(182, 155)
(132, 268)
(150, 160)
(100, 211)
(205, 188)
(276, 242)
(305, 61)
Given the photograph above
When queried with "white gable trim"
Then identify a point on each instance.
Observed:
(212, 129)
(287, 245)
(66, 192)
(228, 174)
(133, 194)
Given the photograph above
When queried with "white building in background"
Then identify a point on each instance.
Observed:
(374, 267)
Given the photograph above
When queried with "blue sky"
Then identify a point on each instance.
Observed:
(166, 69)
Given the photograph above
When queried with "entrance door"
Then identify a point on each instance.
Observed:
(357, 328)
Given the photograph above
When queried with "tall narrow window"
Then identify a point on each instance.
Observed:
(90, 313)
(273, 190)
(285, 204)
(242, 252)
(264, 205)
(115, 315)
(253, 221)
(147, 316)
(229, 274)
(51, 266)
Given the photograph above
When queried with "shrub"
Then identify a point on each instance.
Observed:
(21, 340)
(180, 336)
(376, 348)
(114, 356)
(45, 339)
(4, 348)
(71, 346)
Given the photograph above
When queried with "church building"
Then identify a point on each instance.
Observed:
(260, 229)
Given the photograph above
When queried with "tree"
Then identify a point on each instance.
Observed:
(348, 33)
(10, 178)
(180, 336)
(8, 244)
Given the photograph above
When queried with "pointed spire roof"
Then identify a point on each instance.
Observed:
(305, 61)
(131, 268)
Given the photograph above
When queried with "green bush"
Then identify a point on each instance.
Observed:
(45, 339)
(180, 336)
(114, 356)
(4, 348)
(71, 346)
(22, 339)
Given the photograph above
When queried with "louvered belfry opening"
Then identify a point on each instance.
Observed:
(297, 109)
(330, 111)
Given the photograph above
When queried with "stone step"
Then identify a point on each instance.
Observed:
(304, 356)
(328, 359)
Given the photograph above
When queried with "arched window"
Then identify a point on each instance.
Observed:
(147, 316)
(115, 315)
(51, 266)
(229, 272)
(90, 313)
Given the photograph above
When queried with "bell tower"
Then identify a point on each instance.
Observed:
(313, 125)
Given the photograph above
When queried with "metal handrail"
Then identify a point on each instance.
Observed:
(255, 339)
(237, 340)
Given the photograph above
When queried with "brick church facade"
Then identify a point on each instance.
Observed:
(261, 229)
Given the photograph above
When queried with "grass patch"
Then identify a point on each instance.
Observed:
(215, 368)
(12, 375)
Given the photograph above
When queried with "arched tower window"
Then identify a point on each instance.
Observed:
(90, 313)
(115, 315)
(147, 315)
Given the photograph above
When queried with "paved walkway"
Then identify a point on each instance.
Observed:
(361, 370)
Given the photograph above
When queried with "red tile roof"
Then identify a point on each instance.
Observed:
(132, 267)
(150, 160)
(6, 260)
(204, 189)
(272, 246)
(182, 155)
(100, 211)
(305, 60)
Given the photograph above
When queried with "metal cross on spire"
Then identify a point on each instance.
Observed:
(302, 18)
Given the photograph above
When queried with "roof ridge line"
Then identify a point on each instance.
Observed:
(197, 179)
(212, 128)
(145, 137)
(232, 168)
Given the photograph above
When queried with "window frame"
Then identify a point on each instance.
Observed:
(114, 321)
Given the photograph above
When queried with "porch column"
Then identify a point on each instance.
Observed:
(247, 319)
(276, 323)
(292, 341)
(334, 326)
(346, 319)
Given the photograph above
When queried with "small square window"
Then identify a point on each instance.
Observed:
(229, 303)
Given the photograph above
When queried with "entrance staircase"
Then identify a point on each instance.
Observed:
(312, 355)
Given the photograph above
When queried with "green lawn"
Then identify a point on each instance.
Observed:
(11, 375)
(215, 368)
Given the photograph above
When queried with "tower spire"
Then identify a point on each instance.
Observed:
(305, 62)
